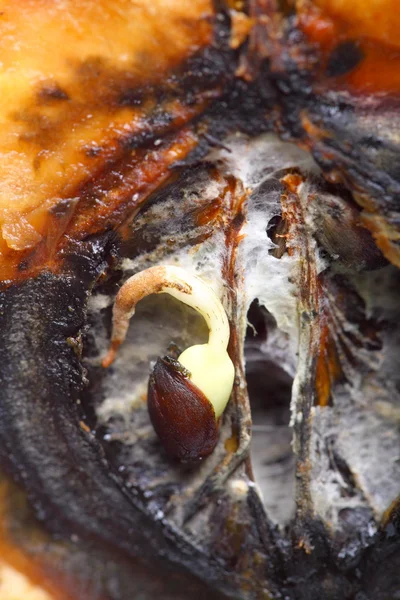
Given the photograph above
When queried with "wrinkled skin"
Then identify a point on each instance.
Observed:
(112, 162)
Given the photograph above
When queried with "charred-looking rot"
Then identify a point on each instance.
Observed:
(186, 397)
(137, 133)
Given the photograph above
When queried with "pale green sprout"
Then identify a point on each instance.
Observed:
(209, 365)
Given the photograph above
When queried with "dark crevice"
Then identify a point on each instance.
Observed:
(339, 464)
(269, 387)
(277, 229)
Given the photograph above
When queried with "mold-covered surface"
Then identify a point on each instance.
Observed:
(298, 238)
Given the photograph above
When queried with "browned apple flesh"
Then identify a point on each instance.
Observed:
(254, 144)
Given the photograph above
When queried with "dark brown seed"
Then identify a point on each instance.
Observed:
(183, 418)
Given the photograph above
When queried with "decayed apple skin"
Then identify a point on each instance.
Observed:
(182, 416)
